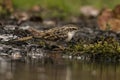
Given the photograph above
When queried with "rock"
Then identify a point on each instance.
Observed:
(11, 52)
(109, 19)
(116, 11)
(84, 34)
(20, 16)
(114, 25)
(102, 35)
(104, 17)
(49, 22)
(36, 8)
(89, 11)
(35, 52)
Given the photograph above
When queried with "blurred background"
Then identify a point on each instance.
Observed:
(53, 8)
(72, 6)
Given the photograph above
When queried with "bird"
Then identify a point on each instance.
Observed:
(65, 32)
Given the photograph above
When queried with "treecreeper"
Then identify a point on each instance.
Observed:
(65, 33)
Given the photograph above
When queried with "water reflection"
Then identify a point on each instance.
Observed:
(65, 70)
(5, 70)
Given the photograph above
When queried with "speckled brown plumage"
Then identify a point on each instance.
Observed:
(57, 33)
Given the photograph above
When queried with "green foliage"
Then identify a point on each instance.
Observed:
(71, 6)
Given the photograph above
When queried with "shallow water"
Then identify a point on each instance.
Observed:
(58, 70)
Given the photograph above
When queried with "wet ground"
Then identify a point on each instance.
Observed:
(23, 57)
(29, 40)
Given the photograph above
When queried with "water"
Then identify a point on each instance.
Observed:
(58, 70)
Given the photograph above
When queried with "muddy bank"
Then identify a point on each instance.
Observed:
(31, 40)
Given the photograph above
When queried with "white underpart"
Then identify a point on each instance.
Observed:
(70, 35)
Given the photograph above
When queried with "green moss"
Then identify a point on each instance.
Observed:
(108, 47)
(41, 43)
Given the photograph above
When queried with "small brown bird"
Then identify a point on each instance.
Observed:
(65, 32)
(58, 33)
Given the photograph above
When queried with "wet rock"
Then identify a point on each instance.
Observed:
(11, 52)
(35, 52)
(9, 27)
(7, 37)
(104, 35)
(84, 34)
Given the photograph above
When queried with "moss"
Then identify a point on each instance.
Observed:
(106, 47)
(41, 43)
